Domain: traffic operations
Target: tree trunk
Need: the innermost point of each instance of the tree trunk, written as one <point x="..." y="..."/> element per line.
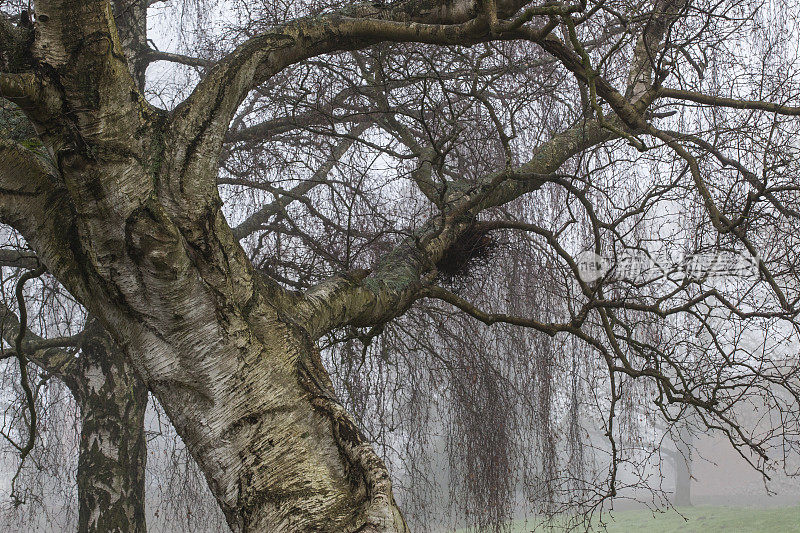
<point x="112" y="401"/>
<point x="112" y="450"/>
<point x="242" y="382"/>
<point x="277" y="448"/>
<point x="683" y="475"/>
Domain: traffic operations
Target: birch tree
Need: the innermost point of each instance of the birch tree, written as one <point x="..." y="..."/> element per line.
<point x="120" y="201"/>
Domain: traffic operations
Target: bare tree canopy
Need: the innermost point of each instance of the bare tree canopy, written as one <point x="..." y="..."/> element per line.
<point x="318" y="231"/>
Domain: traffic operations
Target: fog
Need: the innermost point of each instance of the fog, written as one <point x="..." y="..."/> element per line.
<point x="544" y="280"/>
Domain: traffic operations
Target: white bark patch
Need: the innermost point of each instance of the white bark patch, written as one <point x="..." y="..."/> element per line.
<point x="95" y="378"/>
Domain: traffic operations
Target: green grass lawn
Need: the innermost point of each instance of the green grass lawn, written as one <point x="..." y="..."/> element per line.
<point x="698" y="519"/>
<point x="709" y="520"/>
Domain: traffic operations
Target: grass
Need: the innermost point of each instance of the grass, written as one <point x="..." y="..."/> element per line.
<point x="708" y="520"/>
<point x="698" y="520"/>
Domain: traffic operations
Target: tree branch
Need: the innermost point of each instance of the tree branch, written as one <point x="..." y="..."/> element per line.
<point x="364" y="298"/>
<point x="692" y="96"/>
<point x="254" y="221"/>
<point x="14" y="44"/>
<point x="649" y="46"/>
<point x="23" y="175"/>
<point x="34" y="202"/>
<point x="201" y="122"/>
<point x="490" y="318"/>
<point x="19" y="259"/>
<point x="152" y="56"/>
<point x="47" y="354"/>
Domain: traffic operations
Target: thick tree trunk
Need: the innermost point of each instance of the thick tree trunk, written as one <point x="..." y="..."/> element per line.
<point x="111" y="396"/>
<point x="241" y="381"/>
<point x="112" y="450"/>
<point x="278" y="450"/>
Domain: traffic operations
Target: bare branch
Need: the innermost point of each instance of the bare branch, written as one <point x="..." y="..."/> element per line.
<point x="47" y="354"/>
<point x="19" y="259"/>
<point x="365" y="298"/>
<point x="23" y="373"/>
<point x="258" y="218"/>
<point x="203" y="119"/>
<point x="157" y="55"/>
<point x="734" y="103"/>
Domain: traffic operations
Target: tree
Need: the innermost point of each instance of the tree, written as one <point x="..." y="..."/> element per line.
<point x="112" y="403"/>
<point x="100" y="421"/>
<point x="121" y="204"/>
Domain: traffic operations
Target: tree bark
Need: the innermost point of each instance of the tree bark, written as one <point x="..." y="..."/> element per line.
<point x="111" y="398"/>
<point x="278" y="450"/>
<point x="112" y="448"/>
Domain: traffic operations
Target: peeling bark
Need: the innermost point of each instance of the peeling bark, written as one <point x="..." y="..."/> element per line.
<point x="278" y="450"/>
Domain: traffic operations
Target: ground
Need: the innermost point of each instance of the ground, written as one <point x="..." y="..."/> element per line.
<point x="697" y="520"/>
<point x="708" y="520"/>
